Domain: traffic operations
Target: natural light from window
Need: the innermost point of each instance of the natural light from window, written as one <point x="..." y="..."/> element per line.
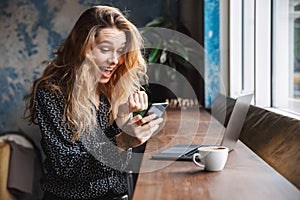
<point x="286" y="55"/>
<point x="265" y="53"/>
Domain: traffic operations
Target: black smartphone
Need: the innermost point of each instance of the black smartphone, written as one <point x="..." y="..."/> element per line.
<point x="157" y="108"/>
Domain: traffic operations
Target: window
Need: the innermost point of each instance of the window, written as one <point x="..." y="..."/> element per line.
<point x="286" y="55"/>
<point x="265" y="52"/>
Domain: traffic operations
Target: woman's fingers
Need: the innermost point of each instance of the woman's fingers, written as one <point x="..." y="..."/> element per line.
<point x="151" y="124"/>
<point x="139" y="126"/>
<point x="148" y="118"/>
<point x="154" y="128"/>
<point x="144" y="100"/>
<point x="138" y="101"/>
<point x="140" y="132"/>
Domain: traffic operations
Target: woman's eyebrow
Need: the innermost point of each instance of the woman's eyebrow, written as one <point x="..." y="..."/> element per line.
<point x="105" y="41"/>
<point x="111" y="43"/>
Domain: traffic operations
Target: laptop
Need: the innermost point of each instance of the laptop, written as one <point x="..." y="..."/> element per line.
<point x="230" y="136"/>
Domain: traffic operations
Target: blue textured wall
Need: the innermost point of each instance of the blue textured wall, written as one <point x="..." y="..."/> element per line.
<point x="212" y="48"/>
<point x="30" y="31"/>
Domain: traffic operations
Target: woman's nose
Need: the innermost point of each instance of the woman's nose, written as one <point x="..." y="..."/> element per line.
<point x="113" y="59"/>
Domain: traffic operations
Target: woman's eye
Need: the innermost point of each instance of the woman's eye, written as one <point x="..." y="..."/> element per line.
<point x="121" y="51"/>
<point x="104" y="50"/>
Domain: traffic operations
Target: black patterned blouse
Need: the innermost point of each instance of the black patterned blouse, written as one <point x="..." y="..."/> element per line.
<point x="84" y="169"/>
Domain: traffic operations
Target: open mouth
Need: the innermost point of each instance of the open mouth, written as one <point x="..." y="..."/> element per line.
<point x="106" y="72"/>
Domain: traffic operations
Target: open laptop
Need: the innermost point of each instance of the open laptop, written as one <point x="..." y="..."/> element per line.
<point x="230" y="136"/>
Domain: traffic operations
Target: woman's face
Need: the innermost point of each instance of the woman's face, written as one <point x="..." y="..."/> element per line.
<point x="108" y="50"/>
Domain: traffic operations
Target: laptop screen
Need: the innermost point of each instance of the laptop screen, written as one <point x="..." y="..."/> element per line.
<point x="230" y="137"/>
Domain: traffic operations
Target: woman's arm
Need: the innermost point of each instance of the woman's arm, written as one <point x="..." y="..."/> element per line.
<point x="65" y="157"/>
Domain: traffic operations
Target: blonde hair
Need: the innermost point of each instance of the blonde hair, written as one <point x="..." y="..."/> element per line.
<point x="75" y="69"/>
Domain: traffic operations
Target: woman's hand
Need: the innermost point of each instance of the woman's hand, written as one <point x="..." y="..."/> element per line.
<point x="137" y="131"/>
<point x="137" y="101"/>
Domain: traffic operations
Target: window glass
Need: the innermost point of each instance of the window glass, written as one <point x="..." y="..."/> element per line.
<point x="265" y="52"/>
<point x="286" y="55"/>
<point x="296" y="50"/>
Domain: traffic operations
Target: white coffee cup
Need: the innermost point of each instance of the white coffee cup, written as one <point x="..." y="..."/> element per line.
<point x="212" y="158"/>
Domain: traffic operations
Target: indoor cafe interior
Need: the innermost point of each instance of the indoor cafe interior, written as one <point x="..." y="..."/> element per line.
<point x="203" y="58"/>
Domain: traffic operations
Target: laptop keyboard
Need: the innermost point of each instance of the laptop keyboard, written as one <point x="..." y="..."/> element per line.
<point x="190" y="153"/>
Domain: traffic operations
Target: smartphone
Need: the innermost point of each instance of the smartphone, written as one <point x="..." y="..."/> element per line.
<point x="157" y="108"/>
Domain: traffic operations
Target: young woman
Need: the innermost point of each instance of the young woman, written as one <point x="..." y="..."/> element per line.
<point x="83" y="104"/>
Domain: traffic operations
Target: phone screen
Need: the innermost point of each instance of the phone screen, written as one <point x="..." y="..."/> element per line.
<point x="157" y="108"/>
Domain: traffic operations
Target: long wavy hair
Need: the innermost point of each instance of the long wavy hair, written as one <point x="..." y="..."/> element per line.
<point x="76" y="72"/>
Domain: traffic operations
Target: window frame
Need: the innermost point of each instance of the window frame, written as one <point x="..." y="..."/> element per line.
<point x="256" y="47"/>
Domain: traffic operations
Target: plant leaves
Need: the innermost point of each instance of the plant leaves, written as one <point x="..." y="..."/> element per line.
<point x="153" y="55"/>
<point x="163" y="57"/>
<point x="156" y="22"/>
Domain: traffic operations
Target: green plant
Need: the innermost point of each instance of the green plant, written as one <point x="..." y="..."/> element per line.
<point x="161" y="54"/>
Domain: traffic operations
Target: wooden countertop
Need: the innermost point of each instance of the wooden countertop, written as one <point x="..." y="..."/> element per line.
<point x="245" y="176"/>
